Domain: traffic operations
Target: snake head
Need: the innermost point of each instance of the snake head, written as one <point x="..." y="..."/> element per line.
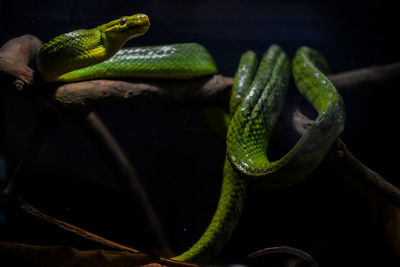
<point x="126" y="27"/>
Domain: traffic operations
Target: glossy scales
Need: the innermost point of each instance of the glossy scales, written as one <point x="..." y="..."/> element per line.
<point x="256" y="102"/>
<point x="233" y="189"/>
<point x="70" y="51"/>
<point x="174" y="61"/>
<point x="253" y="122"/>
<point x="83" y="48"/>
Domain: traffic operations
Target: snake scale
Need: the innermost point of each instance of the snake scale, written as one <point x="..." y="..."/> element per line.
<point x="257" y="97"/>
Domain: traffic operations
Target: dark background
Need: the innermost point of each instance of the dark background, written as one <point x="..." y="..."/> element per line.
<point x="177" y="157"/>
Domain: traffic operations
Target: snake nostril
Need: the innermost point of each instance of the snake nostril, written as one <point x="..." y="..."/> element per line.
<point x="143" y="19"/>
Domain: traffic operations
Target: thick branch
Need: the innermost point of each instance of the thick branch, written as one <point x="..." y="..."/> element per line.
<point x="92" y="95"/>
<point x="15" y="56"/>
<point x="84" y="97"/>
<point x="372" y="80"/>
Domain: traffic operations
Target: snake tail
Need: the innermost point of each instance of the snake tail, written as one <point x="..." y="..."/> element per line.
<point x="233" y="190"/>
<point x="223" y="222"/>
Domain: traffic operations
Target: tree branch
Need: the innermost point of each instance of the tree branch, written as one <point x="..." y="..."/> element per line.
<point x="15" y="58"/>
<point x="343" y="158"/>
<point x="366" y="81"/>
<point x="84" y="97"/>
<point x="351" y="164"/>
<point x="49" y="256"/>
<point x="10" y="253"/>
<point x="285" y="250"/>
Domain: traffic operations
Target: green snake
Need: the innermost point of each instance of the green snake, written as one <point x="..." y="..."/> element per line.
<point x="257" y="97"/>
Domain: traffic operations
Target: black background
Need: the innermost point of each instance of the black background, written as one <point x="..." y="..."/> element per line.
<point x="176" y="156"/>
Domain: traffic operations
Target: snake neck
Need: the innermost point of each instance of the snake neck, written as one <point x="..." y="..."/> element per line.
<point x="90" y="47"/>
<point x="111" y="43"/>
<point x="54" y="60"/>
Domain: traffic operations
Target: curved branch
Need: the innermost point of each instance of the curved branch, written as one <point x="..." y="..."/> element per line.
<point x="84" y="97"/>
<point x="373" y="179"/>
<point x="285" y="250"/>
<point x="15" y="57"/>
<point x="97" y="94"/>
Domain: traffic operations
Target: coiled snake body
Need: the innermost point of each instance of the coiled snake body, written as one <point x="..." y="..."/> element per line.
<point x="256" y="101"/>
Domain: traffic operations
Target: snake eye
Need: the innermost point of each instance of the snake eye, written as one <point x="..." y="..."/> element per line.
<point x="122" y="21"/>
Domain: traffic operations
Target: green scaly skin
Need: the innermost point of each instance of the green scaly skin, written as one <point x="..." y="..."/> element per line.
<point x="233" y="189"/>
<point x="251" y="127"/>
<point x="172" y="61"/>
<point x="256" y="101"/>
<point x="255" y="104"/>
<point x="96" y="53"/>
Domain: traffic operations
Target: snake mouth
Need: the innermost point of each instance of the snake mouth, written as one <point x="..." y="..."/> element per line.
<point x="139" y="25"/>
<point x="138" y="30"/>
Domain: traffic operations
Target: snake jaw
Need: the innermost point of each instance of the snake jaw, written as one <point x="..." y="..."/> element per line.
<point x="117" y="32"/>
<point x="127" y="27"/>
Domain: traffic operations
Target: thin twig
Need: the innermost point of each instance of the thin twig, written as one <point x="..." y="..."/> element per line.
<point x="345" y="158"/>
<point x="373" y="179"/>
<point x="44" y="123"/>
<point x="115" y="156"/>
<point x="72" y="228"/>
<point x="150" y="258"/>
<point x="285" y="250"/>
<point x="49" y="256"/>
